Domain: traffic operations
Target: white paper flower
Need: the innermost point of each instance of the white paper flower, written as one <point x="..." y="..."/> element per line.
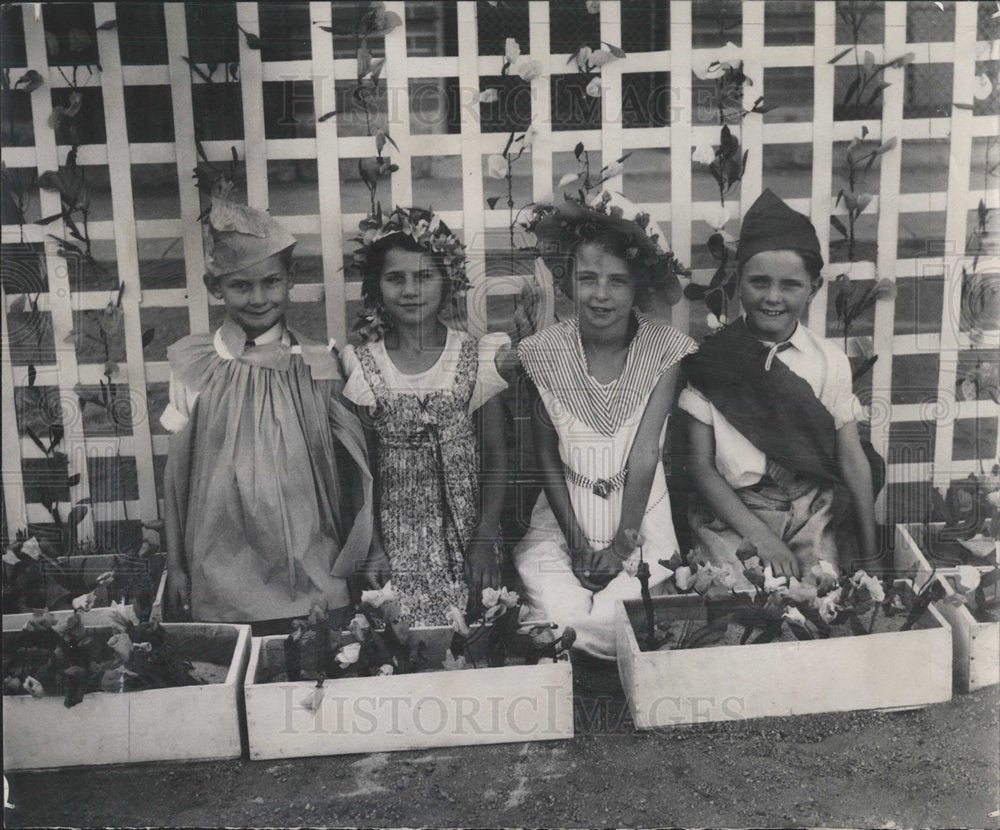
<point x="967" y="578"/>
<point x="497" y="166"/>
<point x="509" y="598"/>
<point x="458" y="623"/>
<point x="33" y="687"/>
<point x="376" y="598"/>
<point x="994" y="499"/>
<point x="715" y="323"/>
<point x="489" y="96"/>
<point x="31" y="548"/>
<point x="982" y="87"/>
<point x="713" y="64"/>
<point x="349" y="654"/>
<point x="772" y="582"/>
<point x="530" y="135"/>
<point x="715" y="216"/>
<point x="631" y="565"/>
<point x="569" y="178"/>
<point x="511" y="50"/>
<point x="385" y="670"/>
<point x="526" y="69"/>
<point x="616" y="168"/>
<point x="452" y="663"/>
<point x="703" y="154"/>
<point x="601" y="57"/>
<point x="582" y="56"/>
<point x="829" y="606"/>
<point x="682" y="578"/>
<point x="359" y="627"/>
<point x="84" y="602"/>
<point x="793" y="614"/>
<point x="801" y="591"/>
<point x="491" y="596"/>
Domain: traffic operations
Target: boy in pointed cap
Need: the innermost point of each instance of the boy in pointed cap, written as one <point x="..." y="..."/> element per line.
<point x="267" y="489"/>
<point x="772" y="427"/>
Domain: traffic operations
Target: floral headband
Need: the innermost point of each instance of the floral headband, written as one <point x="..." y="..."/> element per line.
<point x="428" y="231"/>
<point x="560" y="228"/>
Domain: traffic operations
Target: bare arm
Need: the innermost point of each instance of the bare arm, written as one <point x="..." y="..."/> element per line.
<point x="481" y="566"/>
<point x="546" y="446"/>
<point x="378" y="566"/>
<point x="724" y="502"/>
<point x="857" y="477"/>
<point x="644" y="458"/>
<point x="178" y="582"/>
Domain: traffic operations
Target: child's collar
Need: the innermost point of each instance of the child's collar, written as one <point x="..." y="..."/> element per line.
<point x="797" y="338"/>
<point x="230" y="338"/>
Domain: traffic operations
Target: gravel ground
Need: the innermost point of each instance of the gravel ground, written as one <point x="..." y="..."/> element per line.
<point x="936" y="767"/>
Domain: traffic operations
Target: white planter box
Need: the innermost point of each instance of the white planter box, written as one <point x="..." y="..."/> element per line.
<point x="97" y="616"/>
<point x="875" y="671"/>
<point x="184" y="723"/>
<point x="406" y="711"/>
<point x="975" y="645"/>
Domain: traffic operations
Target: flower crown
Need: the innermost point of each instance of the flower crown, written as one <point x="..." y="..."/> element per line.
<point x="425" y="228"/>
<point x="559" y="228"/>
<point x="429" y="232"/>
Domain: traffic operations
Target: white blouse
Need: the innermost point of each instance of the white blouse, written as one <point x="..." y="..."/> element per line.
<point x="439" y="376"/>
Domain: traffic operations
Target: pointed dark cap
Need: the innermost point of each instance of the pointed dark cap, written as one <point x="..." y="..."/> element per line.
<point x="771" y="225"/>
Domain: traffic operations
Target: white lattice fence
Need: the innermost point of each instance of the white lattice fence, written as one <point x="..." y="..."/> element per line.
<point x="143" y="227"/>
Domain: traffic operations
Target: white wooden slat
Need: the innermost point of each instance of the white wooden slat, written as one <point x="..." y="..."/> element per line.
<point x="822" y="146"/>
<point x="611" y="89"/>
<point x="471" y="141"/>
<point x="681" y="142"/>
<point x="963" y="71"/>
<point x="61" y="298"/>
<point x="253" y="108"/>
<point x="397" y="85"/>
<point x="544" y="143"/>
<point x="13" y="483"/>
<point x="751" y="132"/>
<point x="187" y="161"/>
<point x="120" y="175"/>
<point x="328" y="172"/>
<point x="887" y="231"/>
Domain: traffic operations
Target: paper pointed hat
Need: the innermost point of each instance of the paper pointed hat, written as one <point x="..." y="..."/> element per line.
<point x="240" y="236"/>
<point x="771" y="225"/>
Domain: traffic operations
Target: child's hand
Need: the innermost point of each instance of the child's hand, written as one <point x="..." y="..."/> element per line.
<point x="178" y="594"/>
<point x="595" y="569"/>
<point x="481" y="568"/>
<point x="772" y="551"/>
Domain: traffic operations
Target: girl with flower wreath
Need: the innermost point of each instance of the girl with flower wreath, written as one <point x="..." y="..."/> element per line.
<point x="603" y="383"/>
<point x="428" y="396"/>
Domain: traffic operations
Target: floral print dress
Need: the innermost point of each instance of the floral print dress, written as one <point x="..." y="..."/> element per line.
<point x="428" y="474"/>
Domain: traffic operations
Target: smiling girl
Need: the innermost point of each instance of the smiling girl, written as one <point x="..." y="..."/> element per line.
<point x="773" y="431"/>
<point x="603" y="383"/>
<point x="428" y="395"/>
<point x="252" y="406"/>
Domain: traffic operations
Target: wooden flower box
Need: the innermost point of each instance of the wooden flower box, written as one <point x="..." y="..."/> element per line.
<point x="100" y="613"/>
<point x="508" y="704"/>
<point x="899" y="670"/>
<point x="975" y="645"/>
<point x="183" y="723"/>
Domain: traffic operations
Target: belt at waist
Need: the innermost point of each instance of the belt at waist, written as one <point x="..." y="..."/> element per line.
<point x="602" y="487"/>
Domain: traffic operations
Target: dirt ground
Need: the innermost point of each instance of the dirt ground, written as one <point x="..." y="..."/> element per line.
<point x="935" y="767"/>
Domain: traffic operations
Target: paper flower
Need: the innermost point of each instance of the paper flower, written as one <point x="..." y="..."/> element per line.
<point x="313" y="701"/>
<point x="452" y="663"/>
<point x="511" y="50"/>
<point x="385" y="670"/>
<point x="594" y="87"/>
<point x="121" y="644"/>
<point x="714" y="65"/>
<point x="801" y="591"/>
<point x="569" y="178"/>
<point x="348" y="654"/>
<point x="967" y="578"/>
<point x="84" y="602"/>
<point x="829" y="606"/>
<point x="377" y="598"/>
<point x="458" y="623"/>
<point x="715" y="217"/>
<point x="489" y="96"/>
<point x="773" y="583"/>
<point x="703" y="154"/>
<point x="715" y="323"/>
<point x="862" y="579"/>
<point x="509" y="598"/>
<point x="982" y="87"/>
<point x="631" y="564"/>
<point x="497" y="166"/>
<point x="491" y="596"/>
<point x="359" y="627"/>
<point x="33" y="687"/>
<point x="31" y="548"/>
<point x="682" y="578"/>
<point x="793" y="615"/>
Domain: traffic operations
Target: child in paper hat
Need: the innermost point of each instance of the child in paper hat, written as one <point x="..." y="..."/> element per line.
<point x="773" y="430"/>
<point x="267" y="489"/>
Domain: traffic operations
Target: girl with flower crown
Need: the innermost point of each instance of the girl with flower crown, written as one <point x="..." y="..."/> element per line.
<point x="603" y="383"/>
<point x="428" y="395"/>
